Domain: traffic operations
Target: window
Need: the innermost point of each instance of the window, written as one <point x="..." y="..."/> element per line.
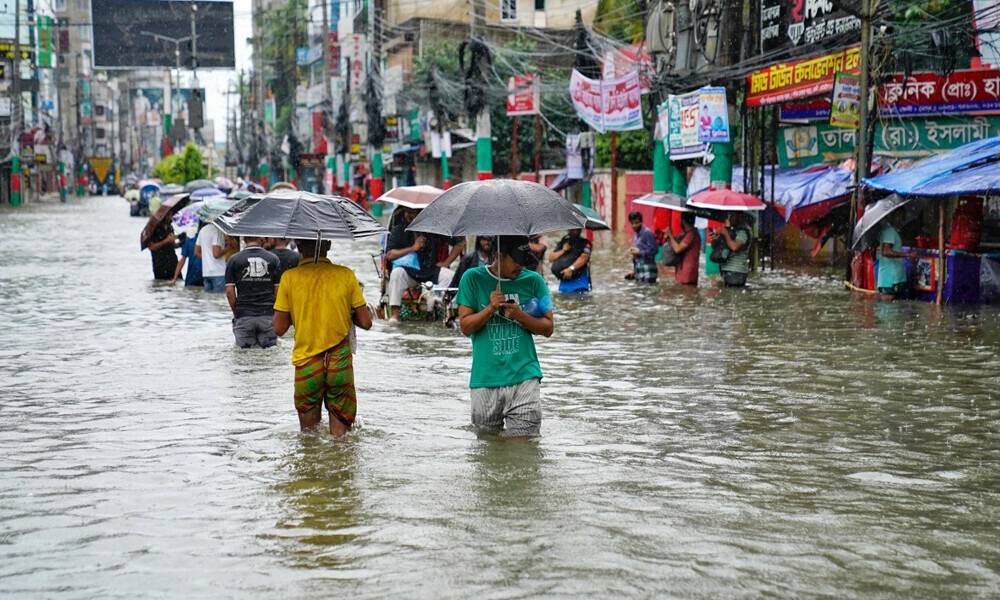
<point x="508" y="10"/>
<point x="99" y="133"/>
<point x="98" y="110"/>
<point x="539" y="4"/>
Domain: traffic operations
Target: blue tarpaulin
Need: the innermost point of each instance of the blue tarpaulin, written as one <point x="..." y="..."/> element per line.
<point x="970" y="169"/>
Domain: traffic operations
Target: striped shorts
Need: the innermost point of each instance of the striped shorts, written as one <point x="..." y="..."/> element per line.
<point x="515" y="410"/>
<point x="328" y="378"/>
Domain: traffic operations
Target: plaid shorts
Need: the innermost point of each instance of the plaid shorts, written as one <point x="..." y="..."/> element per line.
<point x="645" y="271"/>
<point x="328" y="378"/>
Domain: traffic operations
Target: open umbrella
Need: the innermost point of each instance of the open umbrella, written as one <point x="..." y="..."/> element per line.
<point x="297" y="214"/>
<point x="207" y="192"/>
<point x="498" y="207"/>
<point x="198" y="184"/>
<point x="172" y="188"/>
<point x="186" y="219"/>
<point x="867" y="228"/>
<point x="412" y="196"/>
<point x="679" y="203"/>
<point x="166" y="207"/>
<point x="211" y="208"/>
<point x="281" y="185"/>
<point x="594" y="221"/>
<point x="726" y="200"/>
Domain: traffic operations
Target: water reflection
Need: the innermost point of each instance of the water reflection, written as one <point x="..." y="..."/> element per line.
<point x="788" y="440"/>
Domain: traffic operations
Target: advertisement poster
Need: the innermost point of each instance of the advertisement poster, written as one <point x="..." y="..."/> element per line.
<point x="523" y="95"/>
<point x="845" y="106"/>
<point x="682" y="132"/>
<point x="611" y="105"/>
<point x="663" y="125"/>
<point x="713" y="117"/>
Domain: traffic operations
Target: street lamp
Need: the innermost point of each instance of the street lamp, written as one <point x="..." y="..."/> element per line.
<point x="177" y="50"/>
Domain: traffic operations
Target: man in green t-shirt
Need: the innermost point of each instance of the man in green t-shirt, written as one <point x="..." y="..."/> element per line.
<point x="501" y="306"/>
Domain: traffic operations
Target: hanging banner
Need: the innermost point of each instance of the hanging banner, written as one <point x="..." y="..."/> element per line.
<point x="619" y="62"/>
<point x="611" y="105"/>
<point x="523" y="95"/>
<point x="800" y="79"/>
<point x="795" y="23"/>
<point x="845" y="106"/>
<point x="682" y="129"/>
<point x="928" y="93"/>
<point x="663" y="126"/>
<point x="713" y="116"/>
<point x="908" y="138"/>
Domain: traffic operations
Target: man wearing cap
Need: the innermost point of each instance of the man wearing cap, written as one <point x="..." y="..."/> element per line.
<point x="501" y="306"/>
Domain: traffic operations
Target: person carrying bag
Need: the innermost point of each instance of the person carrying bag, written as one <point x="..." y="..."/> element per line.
<point x="731" y="249"/>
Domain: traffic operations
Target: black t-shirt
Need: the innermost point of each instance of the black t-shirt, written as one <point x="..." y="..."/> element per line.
<point x="164" y="259"/>
<point x="287" y="258"/>
<point x="578" y="245"/>
<point x="254" y="272"/>
<point x="400" y="238"/>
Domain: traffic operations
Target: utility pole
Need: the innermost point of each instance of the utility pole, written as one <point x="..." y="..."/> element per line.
<point x="864" y="160"/>
<point x="196" y="107"/>
<point x="327" y="97"/>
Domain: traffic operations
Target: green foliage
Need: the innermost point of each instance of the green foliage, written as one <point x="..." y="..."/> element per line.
<point x="635" y="150"/>
<point x="166" y="170"/>
<point x="181" y="168"/>
<point x="620" y="19"/>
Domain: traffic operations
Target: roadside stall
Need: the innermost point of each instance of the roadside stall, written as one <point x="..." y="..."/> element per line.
<point x="952" y="211"/>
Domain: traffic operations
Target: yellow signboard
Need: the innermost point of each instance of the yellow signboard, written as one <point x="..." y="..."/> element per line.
<point x="101" y="166"/>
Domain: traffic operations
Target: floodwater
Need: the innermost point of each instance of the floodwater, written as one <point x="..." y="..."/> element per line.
<point x="789" y="440"/>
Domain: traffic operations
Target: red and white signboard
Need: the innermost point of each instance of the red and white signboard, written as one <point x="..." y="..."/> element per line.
<point x="619" y="62"/>
<point x="523" y="95"/>
<point x="929" y="94"/>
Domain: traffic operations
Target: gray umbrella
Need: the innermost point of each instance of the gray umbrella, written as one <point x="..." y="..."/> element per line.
<point x="498" y="207"/>
<point x="300" y="215"/>
<point x="868" y="227"/>
<point x="198" y="184"/>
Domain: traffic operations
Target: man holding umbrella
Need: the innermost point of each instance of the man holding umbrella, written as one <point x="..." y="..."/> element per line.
<point x="501" y="306"/>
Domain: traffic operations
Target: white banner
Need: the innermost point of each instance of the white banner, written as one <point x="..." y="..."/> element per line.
<point x="608" y="105"/>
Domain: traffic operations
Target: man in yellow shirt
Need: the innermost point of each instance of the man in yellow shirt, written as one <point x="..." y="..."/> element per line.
<point x="322" y="300"/>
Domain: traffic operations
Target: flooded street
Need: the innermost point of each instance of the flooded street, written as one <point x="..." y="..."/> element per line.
<point x="789" y="440"/>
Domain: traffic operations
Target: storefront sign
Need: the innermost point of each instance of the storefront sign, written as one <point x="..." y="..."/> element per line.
<point x="785" y="23"/>
<point x="845" y="107"/>
<point x="811" y="144"/>
<point x="608" y="105"/>
<point x="801" y="79"/>
<point x="523" y="95"/>
<point x="928" y="93"/>
<point x="682" y="129"/>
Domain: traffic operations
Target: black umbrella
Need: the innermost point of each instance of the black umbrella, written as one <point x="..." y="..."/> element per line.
<point x="498" y="207"/>
<point x="867" y="229"/>
<point x="300" y="215"/>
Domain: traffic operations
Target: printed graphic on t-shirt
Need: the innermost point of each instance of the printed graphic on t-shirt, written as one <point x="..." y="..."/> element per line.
<point x="504" y="333"/>
<point x="256" y="269"/>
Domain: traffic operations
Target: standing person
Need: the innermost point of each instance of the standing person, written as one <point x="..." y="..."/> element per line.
<point x="193" y="276"/>
<point x="481" y="255"/>
<point x="501" y="306"/>
<point x="736" y="235"/>
<point x="251" y="284"/>
<point x="892" y="282"/>
<point x="287" y="257"/>
<point x="570" y="262"/>
<point x="643" y="251"/>
<point x="162" y="245"/>
<point x="689" y="248"/>
<point x="430" y="266"/>
<point x="322" y="300"/>
<point x="539" y="248"/>
<point x="211" y="251"/>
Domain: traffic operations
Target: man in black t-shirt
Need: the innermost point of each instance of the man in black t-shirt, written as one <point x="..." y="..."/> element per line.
<point x="429" y="264"/>
<point x="251" y="283"/>
<point x="287" y="257"/>
<point x="162" y="247"/>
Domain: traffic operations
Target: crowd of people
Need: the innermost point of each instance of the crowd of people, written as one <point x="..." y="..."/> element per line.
<point x="498" y="286"/>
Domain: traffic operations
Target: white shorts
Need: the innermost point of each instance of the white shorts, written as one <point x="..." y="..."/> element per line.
<point x="515" y="410"/>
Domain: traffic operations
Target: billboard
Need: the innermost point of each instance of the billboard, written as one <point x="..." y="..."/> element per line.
<point x="148" y="105"/>
<point x="130" y="34"/>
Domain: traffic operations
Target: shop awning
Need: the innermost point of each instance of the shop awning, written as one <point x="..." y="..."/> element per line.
<point x="970" y="169"/>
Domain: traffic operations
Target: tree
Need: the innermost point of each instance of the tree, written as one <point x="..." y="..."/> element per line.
<point x="181" y="168"/>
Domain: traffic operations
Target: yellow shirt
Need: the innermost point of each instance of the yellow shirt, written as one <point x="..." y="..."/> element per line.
<point x="319" y="297"/>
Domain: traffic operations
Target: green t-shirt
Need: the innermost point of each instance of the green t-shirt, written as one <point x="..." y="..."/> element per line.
<point x="739" y="261"/>
<point x="503" y="352"/>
